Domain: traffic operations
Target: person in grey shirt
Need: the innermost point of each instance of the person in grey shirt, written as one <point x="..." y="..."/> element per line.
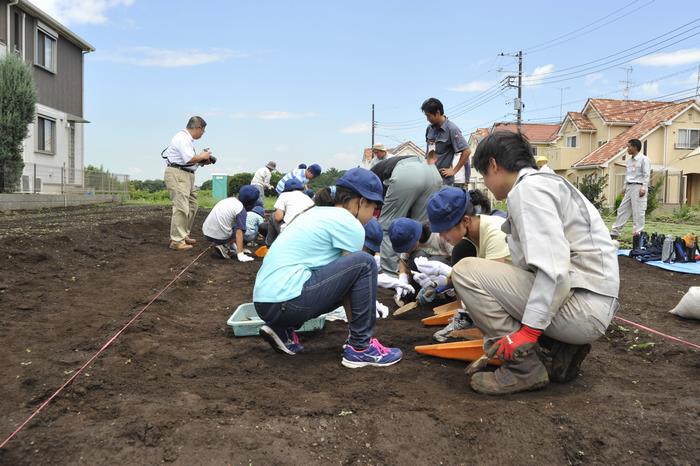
<point x="636" y="188"/>
<point x="446" y="139"/>
<point x="562" y="287"/>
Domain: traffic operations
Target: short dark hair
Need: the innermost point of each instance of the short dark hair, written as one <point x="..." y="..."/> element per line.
<point x="196" y="122"/>
<point x="479" y="199"/>
<point x="324" y="197"/>
<point x="636" y="143"/>
<point x="425" y="233"/>
<point x="432" y="106"/>
<point x="512" y="151"/>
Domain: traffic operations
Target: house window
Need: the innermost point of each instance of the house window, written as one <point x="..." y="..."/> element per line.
<point x="688" y="139"/>
<point x="17" y="33"/>
<point x="644" y="148"/>
<point x="534" y="151"/>
<point x="45" y="50"/>
<point x="571" y="141"/>
<point x="46" y="135"/>
<point x="600" y="143"/>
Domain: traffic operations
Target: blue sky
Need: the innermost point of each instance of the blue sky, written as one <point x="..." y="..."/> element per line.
<point x="294" y="81"/>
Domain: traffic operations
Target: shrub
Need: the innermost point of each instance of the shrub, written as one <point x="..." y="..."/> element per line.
<point x="17" y="109"/>
<point x="236" y="181"/>
<point x="592" y="186"/>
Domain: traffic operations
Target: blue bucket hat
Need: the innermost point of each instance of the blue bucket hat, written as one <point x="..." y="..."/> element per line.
<point x="446" y="208"/>
<point x="363" y="182"/>
<point x="248" y="195"/>
<point x="373" y="235"/>
<point x="404" y="234"/>
<point x="315" y="169"/>
<point x="258" y="210"/>
<point x="293" y="184"/>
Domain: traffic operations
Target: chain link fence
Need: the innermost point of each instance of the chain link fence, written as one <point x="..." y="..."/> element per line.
<point x="50" y="179"/>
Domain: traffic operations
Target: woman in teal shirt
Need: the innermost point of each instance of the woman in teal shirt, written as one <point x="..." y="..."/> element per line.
<point x="317" y="264"/>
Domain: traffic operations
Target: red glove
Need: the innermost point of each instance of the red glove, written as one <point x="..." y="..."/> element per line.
<point x="516" y="345"/>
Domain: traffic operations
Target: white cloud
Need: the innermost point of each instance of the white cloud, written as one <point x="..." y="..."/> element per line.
<point x="80" y="11"/>
<point x="679" y="57"/>
<point x="472" y="86"/>
<point x="592" y="78"/>
<point x="356" y="128"/>
<point x="538" y="75"/>
<point x="344" y="160"/>
<point x="649" y="89"/>
<point x="168" y="58"/>
<point x="272" y="115"/>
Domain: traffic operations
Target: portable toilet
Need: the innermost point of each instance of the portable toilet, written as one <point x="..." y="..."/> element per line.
<point x="219" y="186"/>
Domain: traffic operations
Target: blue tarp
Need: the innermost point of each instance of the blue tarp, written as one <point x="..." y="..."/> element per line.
<point x="680" y="267"/>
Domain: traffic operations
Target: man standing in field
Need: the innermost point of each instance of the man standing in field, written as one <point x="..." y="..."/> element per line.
<point x="261" y="179"/>
<point x="636" y="187"/>
<point x="446" y="139"/>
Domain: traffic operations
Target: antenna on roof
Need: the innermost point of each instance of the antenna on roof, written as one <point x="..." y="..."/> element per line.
<point x="627" y="82"/>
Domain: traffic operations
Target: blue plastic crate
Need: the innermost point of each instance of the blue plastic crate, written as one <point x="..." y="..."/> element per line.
<point x="245" y="322"/>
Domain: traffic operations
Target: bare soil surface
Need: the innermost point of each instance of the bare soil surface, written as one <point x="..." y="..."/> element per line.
<point x="178" y="387"/>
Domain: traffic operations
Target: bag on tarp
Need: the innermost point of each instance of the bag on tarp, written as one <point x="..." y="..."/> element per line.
<point x="689" y="305"/>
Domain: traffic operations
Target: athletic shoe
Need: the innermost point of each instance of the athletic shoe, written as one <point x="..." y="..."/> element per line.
<point x="223" y="251"/>
<point x="282" y="340"/>
<point x="460" y="321"/>
<point x="375" y="355"/>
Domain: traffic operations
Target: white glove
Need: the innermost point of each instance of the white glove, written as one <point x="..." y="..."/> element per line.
<point x="377" y="259"/>
<point x="382" y="311"/>
<point x="386" y="281"/>
<point x="403" y="287"/>
<point x="435" y="268"/>
<point x="433" y="281"/>
<point x="242" y="257"/>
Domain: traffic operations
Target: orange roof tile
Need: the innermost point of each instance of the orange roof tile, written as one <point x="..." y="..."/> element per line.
<point x="534" y="132"/>
<point x="650" y="120"/>
<point x="623" y="111"/>
<point x="581" y="121"/>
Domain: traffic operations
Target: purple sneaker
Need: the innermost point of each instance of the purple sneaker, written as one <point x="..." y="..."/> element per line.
<point x="375" y="355"/>
<point x="282" y="340"/>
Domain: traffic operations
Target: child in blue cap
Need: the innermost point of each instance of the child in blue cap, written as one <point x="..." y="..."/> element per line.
<point x="302" y="174"/>
<point x="560" y="292"/>
<point x="226" y="223"/>
<point x="317" y="265"/>
<point x="289" y="204"/>
<point x="255" y="217"/>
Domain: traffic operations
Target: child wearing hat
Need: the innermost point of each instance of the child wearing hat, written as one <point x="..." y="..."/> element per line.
<point x="255" y="217"/>
<point x="226" y="223"/>
<point x="289" y="204"/>
<point x="317" y="265"/>
<point x="302" y="174"/>
<point x="561" y="289"/>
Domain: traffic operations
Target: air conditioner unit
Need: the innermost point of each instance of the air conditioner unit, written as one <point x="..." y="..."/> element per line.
<point x="25" y="184"/>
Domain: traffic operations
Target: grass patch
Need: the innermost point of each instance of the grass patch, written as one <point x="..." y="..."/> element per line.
<point x="204" y="197"/>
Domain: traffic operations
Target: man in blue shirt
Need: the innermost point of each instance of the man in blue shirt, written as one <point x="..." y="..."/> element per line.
<point x="446" y="139"/>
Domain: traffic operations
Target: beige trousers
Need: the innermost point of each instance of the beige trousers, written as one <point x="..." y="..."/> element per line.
<point x="495" y="294"/>
<point x="180" y="184"/>
<point x="633" y="205"/>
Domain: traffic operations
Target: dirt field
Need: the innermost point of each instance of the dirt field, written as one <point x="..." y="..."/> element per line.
<point x="177" y="387"/>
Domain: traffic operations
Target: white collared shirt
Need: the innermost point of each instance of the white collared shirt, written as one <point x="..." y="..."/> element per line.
<point x="638" y="170"/>
<point x="556" y="233"/>
<point x="262" y="177"/>
<point x="181" y="149"/>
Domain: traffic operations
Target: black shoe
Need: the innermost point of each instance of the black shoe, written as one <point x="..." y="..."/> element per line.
<point x="563" y="360"/>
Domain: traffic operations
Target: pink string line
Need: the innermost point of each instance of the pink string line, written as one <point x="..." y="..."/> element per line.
<point x="97" y="354"/>
<point x="656" y="332"/>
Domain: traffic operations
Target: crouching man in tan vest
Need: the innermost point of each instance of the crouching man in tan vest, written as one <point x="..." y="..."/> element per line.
<point x="562" y="287"/>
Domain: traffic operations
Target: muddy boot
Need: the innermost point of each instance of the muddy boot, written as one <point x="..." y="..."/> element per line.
<point x="562" y="360"/>
<point x="512" y="377"/>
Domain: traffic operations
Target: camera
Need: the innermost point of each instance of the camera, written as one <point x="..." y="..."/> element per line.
<point x="212" y="159"/>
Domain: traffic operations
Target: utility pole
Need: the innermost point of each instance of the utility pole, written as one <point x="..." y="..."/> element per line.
<point x="627" y="82"/>
<point x="519" y="102"/>
<point x="561" y="101"/>
<point x="373" y="125"/>
<point x="697" y="86"/>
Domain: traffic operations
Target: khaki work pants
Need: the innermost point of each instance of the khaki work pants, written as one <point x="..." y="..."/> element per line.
<point x="634" y="205"/>
<point x="496" y="294"/>
<point x="180" y="184"/>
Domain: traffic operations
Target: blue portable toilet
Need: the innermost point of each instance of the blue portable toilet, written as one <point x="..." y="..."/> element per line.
<point x="219" y="186"/>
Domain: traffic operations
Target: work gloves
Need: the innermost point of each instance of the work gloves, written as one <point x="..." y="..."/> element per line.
<point x="400" y="285"/>
<point x="431" y="273"/>
<point x="243" y="257"/>
<point x="382" y="311"/>
<point x="516" y="345"/>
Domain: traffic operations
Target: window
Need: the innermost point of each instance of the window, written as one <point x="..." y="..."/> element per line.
<point x="45" y="50"/>
<point x="600" y="143"/>
<point x="688" y="139"/>
<point x="644" y="148"/>
<point x="571" y="141"/>
<point x="534" y="151"/>
<point x="46" y="135"/>
<point x="17" y="33"/>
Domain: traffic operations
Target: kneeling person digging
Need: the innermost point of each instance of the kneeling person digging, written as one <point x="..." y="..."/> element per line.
<point x="562" y="287"/>
<point x="226" y="223"/>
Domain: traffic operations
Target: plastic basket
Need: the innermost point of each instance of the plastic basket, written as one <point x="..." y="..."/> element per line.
<point x="245" y="322"/>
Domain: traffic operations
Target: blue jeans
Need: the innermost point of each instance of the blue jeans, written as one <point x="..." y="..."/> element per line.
<point x="353" y="275"/>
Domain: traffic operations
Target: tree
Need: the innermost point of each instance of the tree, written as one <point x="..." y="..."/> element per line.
<point x="236" y="181"/>
<point x="206" y="186"/>
<point x="327" y="178"/>
<point x="17" y="109"/>
<point x="151" y="186"/>
<point x="592" y="186"/>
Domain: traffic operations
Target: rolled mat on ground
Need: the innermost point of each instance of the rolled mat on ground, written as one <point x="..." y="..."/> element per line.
<point x="680" y="267"/>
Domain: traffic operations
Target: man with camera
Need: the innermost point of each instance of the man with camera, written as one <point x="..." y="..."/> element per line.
<point x="183" y="160"/>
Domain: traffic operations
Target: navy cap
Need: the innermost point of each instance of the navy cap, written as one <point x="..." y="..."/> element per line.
<point x="315" y="169"/>
<point x="363" y="182"/>
<point x="310" y="192"/>
<point x="404" y="234"/>
<point x="446" y="208"/>
<point x="293" y="184"/>
<point x="248" y="195"/>
<point x="258" y="210"/>
<point x="373" y="235"/>
<point x="302" y="166"/>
